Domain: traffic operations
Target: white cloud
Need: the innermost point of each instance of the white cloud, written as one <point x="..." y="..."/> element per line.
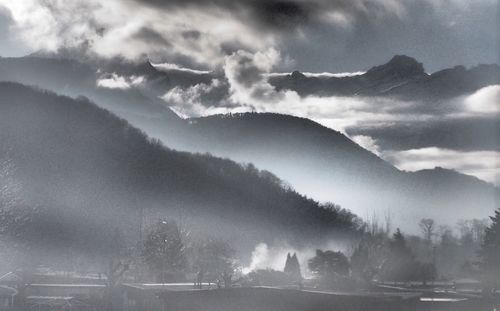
<point x="482" y="164"/>
<point x="250" y="90"/>
<point x="114" y="81"/>
<point x="248" y="73"/>
<point x="484" y="101"/>
<point x="368" y="143"/>
<point x="170" y="66"/>
<point x="319" y="74"/>
<point x="187" y="102"/>
<point x="113" y="28"/>
<point x="334" y="75"/>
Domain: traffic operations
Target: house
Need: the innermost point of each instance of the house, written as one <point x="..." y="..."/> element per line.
<point x="79" y="291"/>
<point x="7" y="295"/>
<point x="10" y="279"/>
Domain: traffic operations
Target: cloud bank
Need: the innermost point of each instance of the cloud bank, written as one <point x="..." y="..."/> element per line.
<point x="314" y="35"/>
<point x="482" y="164"/>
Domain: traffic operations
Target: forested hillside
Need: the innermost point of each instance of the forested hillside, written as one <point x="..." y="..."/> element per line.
<point x="78" y="171"/>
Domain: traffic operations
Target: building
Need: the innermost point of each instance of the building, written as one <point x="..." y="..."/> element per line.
<point x="7" y="295"/>
<point x="10" y="279"/>
<point x="79" y="291"/>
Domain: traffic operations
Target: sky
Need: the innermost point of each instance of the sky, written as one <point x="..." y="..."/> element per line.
<point x="311" y="35"/>
<point x="246" y="41"/>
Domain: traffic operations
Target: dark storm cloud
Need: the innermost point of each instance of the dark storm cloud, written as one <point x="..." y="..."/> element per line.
<point x="248" y="74"/>
<point x="315" y="35"/>
<point x="283" y="14"/>
<point x="277" y="14"/>
<point x="230" y="47"/>
<point x="151" y="36"/>
<point x="341" y="35"/>
<point x="441" y="36"/>
<point x="191" y="35"/>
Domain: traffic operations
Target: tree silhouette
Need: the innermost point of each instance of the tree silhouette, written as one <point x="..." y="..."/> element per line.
<point x="369" y="255"/>
<point x="427" y="227"/>
<point x="163" y="251"/>
<point x="400" y="262"/>
<point x="329" y="266"/>
<point x="490" y="254"/>
<point x="213" y="258"/>
<point x="292" y="267"/>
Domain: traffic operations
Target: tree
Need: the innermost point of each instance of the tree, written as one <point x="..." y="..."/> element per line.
<point x="369" y="256"/>
<point x="479" y="228"/>
<point x="292" y="267"/>
<point x="490" y="254"/>
<point x="163" y="251"/>
<point x="329" y="266"/>
<point x="400" y="261"/>
<point x="214" y="259"/>
<point x="427" y="227"/>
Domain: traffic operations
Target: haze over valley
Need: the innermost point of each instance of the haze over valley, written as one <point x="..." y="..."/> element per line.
<point x="168" y="155"/>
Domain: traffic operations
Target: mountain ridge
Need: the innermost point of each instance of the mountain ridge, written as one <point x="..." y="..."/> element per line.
<point x="80" y="160"/>
<point x="402" y="77"/>
<point x="326" y="164"/>
<point x="339" y="170"/>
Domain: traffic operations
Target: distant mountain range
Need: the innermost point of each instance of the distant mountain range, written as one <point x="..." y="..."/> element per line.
<point x="313" y="159"/>
<point x="402" y="77"/>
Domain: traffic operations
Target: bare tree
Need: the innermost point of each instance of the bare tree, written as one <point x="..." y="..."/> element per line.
<point x="427" y="226"/>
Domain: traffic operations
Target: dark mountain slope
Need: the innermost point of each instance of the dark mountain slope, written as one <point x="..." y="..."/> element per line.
<point x="98" y="172"/>
<point x="327" y="165"/>
<point x="73" y="78"/>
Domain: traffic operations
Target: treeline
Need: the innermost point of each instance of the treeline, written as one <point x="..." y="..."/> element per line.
<point x="440" y="253"/>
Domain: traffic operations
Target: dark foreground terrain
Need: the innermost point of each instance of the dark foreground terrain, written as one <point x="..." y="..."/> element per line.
<point x="277" y="299"/>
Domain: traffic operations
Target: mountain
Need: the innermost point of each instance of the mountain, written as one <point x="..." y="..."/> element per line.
<point x="73" y="78"/>
<point x="402" y="77"/>
<point x="328" y="166"/>
<point x="93" y="172"/>
<point x="313" y="159"/>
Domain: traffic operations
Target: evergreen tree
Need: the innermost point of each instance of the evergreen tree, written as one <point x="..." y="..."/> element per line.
<point x="490" y="253"/>
<point x="287" y="268"/>
<point x="292" y="267"/>
<point x="400" y="261"/>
